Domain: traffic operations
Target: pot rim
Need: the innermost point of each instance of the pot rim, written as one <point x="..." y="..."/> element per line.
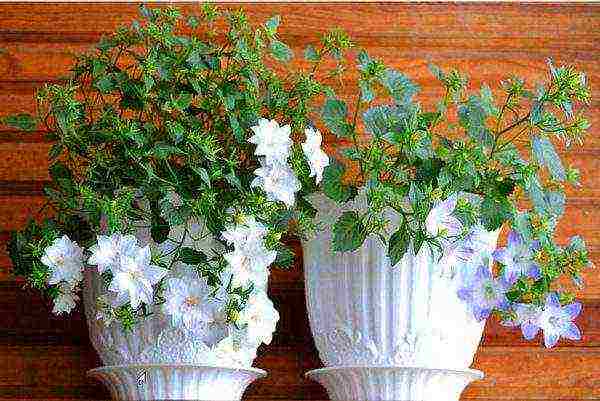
<point x="258" y="373"/>
<point x="476" y="374"/>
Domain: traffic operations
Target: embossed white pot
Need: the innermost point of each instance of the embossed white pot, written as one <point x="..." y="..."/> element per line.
<point x="157" y="361"/>
<point x="374" y="324"/>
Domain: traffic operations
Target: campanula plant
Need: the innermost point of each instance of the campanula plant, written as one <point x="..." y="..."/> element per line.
<point x="474" y="163"/>
<point x="180" y="157"/>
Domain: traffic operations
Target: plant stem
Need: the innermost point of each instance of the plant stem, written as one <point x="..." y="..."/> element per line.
<point x="354" y="139"/>
<point x="516" y="123"/>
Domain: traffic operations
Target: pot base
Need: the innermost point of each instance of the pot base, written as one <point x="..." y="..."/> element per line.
<point x="393" y="383"/>
<point x="175" y="382"/>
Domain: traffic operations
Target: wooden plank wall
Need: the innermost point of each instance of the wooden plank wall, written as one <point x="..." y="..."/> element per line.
<point x="45" y="358"/>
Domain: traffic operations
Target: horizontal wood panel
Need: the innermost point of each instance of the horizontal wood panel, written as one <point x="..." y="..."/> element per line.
<point x="289" y="357"/>
<point x="459" y="20"/>
<point x="40" y="62"/>
<point x="28" y="162"/>
<point x="530" y="372"/>
<point x="44" y="357"/>
<point x="581" y="216"/>
<point x="27" y="318"/>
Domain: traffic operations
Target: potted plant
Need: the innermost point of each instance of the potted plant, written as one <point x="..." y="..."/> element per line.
<point x="406" y="269"/>
<point x="181" y="156"/>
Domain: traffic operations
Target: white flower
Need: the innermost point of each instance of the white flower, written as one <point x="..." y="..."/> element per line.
<point x="107" y="252"/>
<point x="65" y="260"/>
<point x="250" y="259"/>
<point x="272" y="141"/>
<point x="277" y="179"/>
<point x="65" y="300"/>
<point x="441" y="221"/>
<point x="250" y="265"/>
<point x="249" y="230"/>
<point x="260" y="317"/>
<point x="231" y="352"/>
<point x="134" y="278"/>
<point x="317" y="159"/>
<point x="192" y="304"/>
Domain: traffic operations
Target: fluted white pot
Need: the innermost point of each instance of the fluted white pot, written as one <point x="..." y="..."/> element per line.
<point x="175" y="382"/>
<point x="375" y="323"/>
<point x="156" y="360"/>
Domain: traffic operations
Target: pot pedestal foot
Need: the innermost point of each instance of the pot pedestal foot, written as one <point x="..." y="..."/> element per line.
<point x="393" y="383"/>
<point x="175" y="382"/>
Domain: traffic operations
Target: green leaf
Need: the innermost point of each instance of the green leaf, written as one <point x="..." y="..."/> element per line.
<point x="472" y="117"/>
<point x="545" y="154"/>
<point x="576" y="243"/>
<point x="494" y="212"/>
<point x="522" y="226"/>
<point x="436" y="71"/>
<point x="234" y="180"/>
<point x="23" y="121"/>
<point x="59" y="170"/>
<point x="332" y="183"/>
<point x="348" y="232"/>
<point x="190" y="256"/>
<point x="285" y="258"/>
<point x="366" y="91"/>
<point x="418" y="241"/>
<point x="55" y="151"/>
<point x="487" y="101"/>
<point x="163" y="150"/>
<point x="335" y="114"/>
<point x="398" y="244"/>
<point x="310" y="54"/>
<point x="555" y="203"/>
<point x="159" y="230"/>
<point x="183" y="101"/>
<point x="280" y="51"/>
<point x="383" y="119"/>
<point x="192" y="22"/>
<point x="236" y="128"/>
<point x="306" y="207"/>
<point x="201" y="171"/>
<point x="537" y="112"/>
<point x="272" y="24"/>
<point x="400" y="87"/>
<point x="105" y="84"/>
<point x="550" y="203"/>
<point x="175" y="129"/>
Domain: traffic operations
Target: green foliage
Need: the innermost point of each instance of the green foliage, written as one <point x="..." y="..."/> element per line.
<point x="23" y="121"/>
<point x="502" y="153"/>
<point x="399" y="243"/>
<point x="335" y="117"/>
<point x="333" y="185"/>
<point x="26" y="247"/>
<point x="151" y="131"/>
<point x="349" y="233"/>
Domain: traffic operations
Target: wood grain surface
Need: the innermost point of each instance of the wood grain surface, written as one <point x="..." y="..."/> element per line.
<point x="43" y="357"/>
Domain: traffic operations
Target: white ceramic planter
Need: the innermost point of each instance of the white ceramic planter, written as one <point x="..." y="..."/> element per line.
<point x="157" y="361"/>
<point x="175" y="382"/>
<point x="393" y="383"/>
<point x="173" y="363"/>
<point x="366" y="314"/>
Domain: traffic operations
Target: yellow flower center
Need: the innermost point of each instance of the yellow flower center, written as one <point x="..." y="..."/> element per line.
<point x="59" y="260"/>
<point x="192" y="301"/>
